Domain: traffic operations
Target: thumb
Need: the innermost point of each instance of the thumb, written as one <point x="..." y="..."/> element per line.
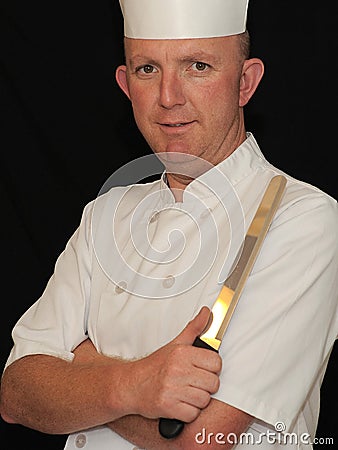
<point x="195" y="327"/>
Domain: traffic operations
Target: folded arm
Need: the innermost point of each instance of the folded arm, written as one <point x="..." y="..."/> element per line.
<point x="57" y="396"/>
<point x="209" y="430"/>
<point x="54" y="396"/>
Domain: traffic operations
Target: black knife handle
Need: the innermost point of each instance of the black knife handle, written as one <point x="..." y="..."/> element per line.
<point x="170" y="428"/>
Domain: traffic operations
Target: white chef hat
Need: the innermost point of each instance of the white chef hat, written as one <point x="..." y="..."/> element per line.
<point x="182" y="19"/>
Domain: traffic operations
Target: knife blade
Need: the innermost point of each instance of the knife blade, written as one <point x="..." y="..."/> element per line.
<point x="227" y="300"/>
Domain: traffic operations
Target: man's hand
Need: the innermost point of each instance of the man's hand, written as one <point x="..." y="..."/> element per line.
<point x="177" y="380"/>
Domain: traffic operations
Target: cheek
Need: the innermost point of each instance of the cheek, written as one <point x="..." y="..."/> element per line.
<point x="143" y="108"/>
<point x="138" y="100"/>
<point x="222" y="105"/>
<point x="220" y="97"/>
<point x="140" y="108"/>
<point x="142" y="104"/>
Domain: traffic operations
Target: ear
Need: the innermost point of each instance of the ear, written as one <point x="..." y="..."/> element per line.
<point x="121" y="78"/>
<point x="252" y="72"/>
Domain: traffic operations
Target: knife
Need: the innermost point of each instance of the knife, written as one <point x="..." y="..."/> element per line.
<point x="233" y="286"/>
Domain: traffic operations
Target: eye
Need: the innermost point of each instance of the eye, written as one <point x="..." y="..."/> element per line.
<point x="200" y="66"/>
<point x="146" y="69"/>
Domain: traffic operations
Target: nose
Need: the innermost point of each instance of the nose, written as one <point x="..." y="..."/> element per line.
<point x="171" y="91"/>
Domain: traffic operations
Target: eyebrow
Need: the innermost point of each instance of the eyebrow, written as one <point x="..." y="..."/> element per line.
<point x="200" y="56"/>
<point x="141" y="59"/>
<point x="190" y="57"/>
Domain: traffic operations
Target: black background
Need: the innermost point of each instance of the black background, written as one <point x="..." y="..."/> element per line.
<point x="65" y="127"/>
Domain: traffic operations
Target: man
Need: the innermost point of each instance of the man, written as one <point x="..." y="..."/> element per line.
<point x="129" y="292"/>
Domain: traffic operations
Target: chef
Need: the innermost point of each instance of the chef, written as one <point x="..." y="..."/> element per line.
<point x="105" y="352"/>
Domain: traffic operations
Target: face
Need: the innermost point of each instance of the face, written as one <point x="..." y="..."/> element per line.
<point x="187" y="95"/>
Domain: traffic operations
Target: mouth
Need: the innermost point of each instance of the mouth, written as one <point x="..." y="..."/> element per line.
<point x="176" y="125"/>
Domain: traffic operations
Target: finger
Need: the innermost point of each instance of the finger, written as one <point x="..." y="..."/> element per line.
<point x="206" y="360"/>
<point x="192" y="401"/>
<point x="205" y="381"/>
<point x="195" y="327"/>
<point x="197" y="398"/>
<point x="186" y="413"/>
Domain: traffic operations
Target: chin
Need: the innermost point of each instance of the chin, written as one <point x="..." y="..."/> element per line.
<point x="185" y="164"/>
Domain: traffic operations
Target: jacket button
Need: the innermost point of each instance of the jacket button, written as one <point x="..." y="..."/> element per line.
<point x="121" y="287"/>
<point x="80" y="440"/>
<point x="169" y="281"/>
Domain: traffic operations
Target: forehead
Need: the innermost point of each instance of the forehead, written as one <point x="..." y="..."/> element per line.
<point x="217" y="47"/>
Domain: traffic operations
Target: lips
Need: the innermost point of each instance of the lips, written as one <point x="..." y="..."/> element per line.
<point x="176" y="124"/>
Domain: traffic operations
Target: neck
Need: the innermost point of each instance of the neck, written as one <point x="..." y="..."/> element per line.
<point x="177" y="184"/>
<point x="189" y="172"/>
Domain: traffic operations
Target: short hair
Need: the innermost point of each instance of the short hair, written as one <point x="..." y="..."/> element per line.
<point x="244" y="42"/>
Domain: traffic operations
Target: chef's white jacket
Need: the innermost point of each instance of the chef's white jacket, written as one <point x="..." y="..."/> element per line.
<point x="140" y="266"/>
